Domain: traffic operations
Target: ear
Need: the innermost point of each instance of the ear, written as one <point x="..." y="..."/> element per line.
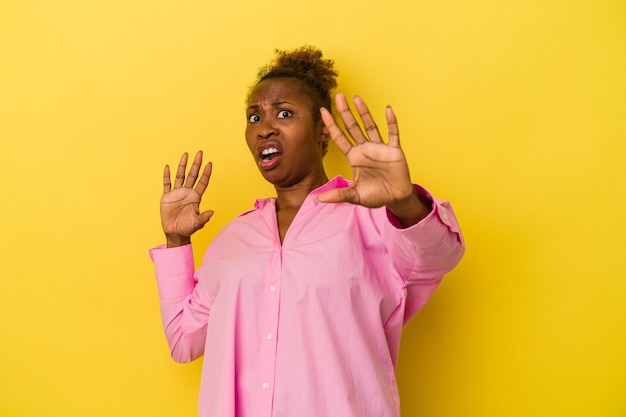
<point x="324" y="135"/>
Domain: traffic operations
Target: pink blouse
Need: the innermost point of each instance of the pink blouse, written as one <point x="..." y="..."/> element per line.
<point x="310" y="327"/>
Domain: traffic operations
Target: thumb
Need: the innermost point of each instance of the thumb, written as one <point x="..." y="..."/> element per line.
<point x="338" y="195"/>
<point x="204" y="217"/>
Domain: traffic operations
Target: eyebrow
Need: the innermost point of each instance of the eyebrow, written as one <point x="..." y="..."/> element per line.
<point x="274" y="104"/>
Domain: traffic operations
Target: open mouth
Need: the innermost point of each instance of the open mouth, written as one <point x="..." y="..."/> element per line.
<point x="269" y="155"/>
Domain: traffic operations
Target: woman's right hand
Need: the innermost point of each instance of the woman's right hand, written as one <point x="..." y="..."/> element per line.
<point x="180" y="205"/>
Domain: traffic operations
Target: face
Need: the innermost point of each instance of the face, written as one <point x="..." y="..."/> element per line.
<point x="285" y="140"/>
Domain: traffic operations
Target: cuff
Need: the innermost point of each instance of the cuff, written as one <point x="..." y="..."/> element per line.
<point x="174" y="269"/>
<point x="431" y="229"/>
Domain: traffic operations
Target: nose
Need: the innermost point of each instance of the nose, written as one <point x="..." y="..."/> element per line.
<point x="267" y="129"/>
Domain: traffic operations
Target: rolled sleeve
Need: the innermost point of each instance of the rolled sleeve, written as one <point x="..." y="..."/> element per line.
<point x="174" y="269"/>
<point x="430" y="248"/>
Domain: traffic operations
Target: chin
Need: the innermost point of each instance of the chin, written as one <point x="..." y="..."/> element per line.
<point x="279" y="181"/>
<point x="271" y="176"/>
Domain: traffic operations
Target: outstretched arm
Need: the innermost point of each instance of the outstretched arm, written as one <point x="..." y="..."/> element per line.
<point x="184" y="306"/>
<point x="180" y="204"/>
<point x="380" y="171"/>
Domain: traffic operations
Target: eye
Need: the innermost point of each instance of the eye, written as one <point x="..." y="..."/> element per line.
<point x="283" y="114"/>
<point x="254" y="118"/>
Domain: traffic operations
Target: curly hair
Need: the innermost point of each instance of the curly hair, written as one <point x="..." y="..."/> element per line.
<point x="307" y="65"/>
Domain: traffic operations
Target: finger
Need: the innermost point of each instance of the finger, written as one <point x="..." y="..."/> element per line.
<point x="348" y="119"/>
<point x="335" y="132"/>
<point x="167" y="183"/>
<point x="180" y="172"/>
<point x="368" y="122"/>
<point x="203" y="182"/>
<point x="203" y="218"/>
<point x="193" y="171"/>
<point x="339" y="195"/>
<point x="392" y="126"/>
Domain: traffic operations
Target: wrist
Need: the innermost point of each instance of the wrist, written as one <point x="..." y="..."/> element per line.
<point x="411" y="209"/>
<point x="174" y="241"/>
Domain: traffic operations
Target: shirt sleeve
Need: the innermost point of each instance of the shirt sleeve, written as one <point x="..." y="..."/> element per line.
<point x="424" y="252"/>
<point x="184" y="311"/>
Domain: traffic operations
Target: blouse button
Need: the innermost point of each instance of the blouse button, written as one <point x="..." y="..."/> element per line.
<point x="266" y="385"/>
<point x="272" y="288"/>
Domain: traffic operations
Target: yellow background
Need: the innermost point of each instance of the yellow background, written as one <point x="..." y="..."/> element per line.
<point x="513" y="110"/>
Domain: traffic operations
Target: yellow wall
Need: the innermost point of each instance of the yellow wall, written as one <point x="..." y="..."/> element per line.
<point x="514" y="110"/>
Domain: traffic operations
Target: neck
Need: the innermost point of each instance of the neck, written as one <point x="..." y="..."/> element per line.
<point x="292" y="197"/>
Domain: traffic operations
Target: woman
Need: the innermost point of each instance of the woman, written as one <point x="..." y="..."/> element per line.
<point x="299" y="303"/>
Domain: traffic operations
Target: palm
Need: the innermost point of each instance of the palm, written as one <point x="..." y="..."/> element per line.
<point x="180" y="205"/>
<point x="380" y="172"/>
<point x="180" y="210"/>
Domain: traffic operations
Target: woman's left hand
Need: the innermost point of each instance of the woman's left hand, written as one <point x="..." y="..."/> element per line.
<point x="380" y="170"/>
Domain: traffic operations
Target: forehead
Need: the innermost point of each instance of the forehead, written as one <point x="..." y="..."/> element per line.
<point x="279" y="90"/>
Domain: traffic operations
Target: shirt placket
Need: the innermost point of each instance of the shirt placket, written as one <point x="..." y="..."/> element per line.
<point x="269" y="335"/>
